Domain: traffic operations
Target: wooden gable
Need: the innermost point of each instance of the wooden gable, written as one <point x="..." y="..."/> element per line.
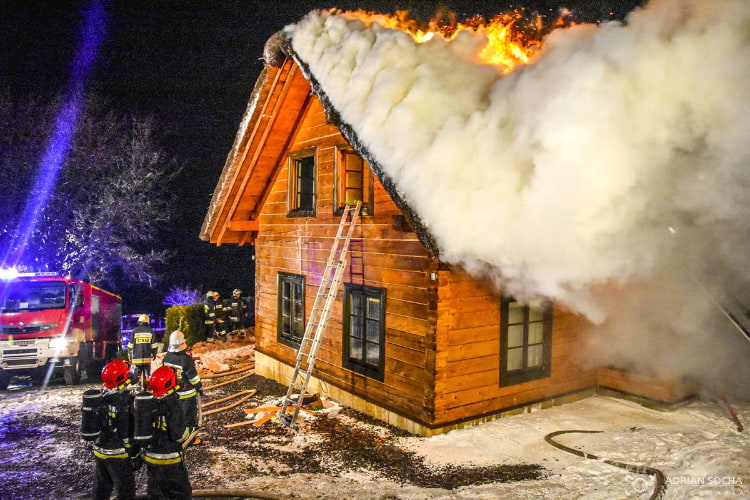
<point x="278" y="102"/>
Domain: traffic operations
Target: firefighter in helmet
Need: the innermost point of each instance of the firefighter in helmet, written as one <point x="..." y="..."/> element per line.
<point x="189" y="383"/>
<point x="141" y="349"/>
<point x="167" y="475"/>
<point x="238" y="311"/>
<point x="209" y="315"/>
<point x="221" y="307"/>
<point x="115" y="453"/>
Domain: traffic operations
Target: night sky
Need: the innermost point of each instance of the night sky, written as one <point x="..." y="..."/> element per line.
<point x="191" y="65"/>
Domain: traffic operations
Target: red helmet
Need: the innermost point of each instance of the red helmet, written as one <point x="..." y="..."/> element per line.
<point x="162" y="381"/>
<point x="115" y="374"/>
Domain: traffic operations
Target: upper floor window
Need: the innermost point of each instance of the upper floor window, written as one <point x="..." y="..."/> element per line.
<point x="353" y="180"/>
<point x="291" y="309"/>
<point x="364" y="330"/>
<point x="302" y="192"/>
<point x="525" y="342"/>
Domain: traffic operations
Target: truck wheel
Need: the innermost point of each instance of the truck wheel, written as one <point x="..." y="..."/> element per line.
<point x="73" y="373"/>
<point x="4" y="381"/>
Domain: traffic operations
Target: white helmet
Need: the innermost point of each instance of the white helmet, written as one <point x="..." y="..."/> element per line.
<point x="177" y="341"/>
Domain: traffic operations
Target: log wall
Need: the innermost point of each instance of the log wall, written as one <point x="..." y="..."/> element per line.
<point x="467" y="381"/>
<point x="392" y="259"/>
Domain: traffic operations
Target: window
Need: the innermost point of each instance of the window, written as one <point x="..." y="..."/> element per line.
<point x="291" y="309"/>
<point x="364" y="330"/>
<point x="353" y="180"/>
<point x="525" y="342"/>
<point x="301" y="196"/>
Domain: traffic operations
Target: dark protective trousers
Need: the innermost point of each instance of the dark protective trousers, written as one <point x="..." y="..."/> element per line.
<point x="168" y="482"/>
<point x="113" y="473"/>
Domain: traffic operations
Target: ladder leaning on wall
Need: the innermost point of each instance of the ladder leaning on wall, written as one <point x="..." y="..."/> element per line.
<point x="329" y="287"/>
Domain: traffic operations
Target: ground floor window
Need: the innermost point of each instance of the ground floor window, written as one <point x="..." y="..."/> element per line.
<point x="364" y="330"/>
<point x="291" y="309"/>
<point x="525" y="342"/>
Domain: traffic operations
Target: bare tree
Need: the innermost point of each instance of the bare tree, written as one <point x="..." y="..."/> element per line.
<point x="110" y="200"/>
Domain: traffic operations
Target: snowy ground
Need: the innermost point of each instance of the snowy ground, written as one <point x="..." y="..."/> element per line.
<point x="697" y="447"/>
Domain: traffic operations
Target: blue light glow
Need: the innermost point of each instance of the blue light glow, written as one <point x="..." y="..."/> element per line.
<point x="93" y="29"/>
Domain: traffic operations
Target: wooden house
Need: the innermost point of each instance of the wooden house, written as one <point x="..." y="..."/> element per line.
<point x="411" y="341"/>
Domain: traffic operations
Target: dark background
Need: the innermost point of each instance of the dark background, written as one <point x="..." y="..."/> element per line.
<point x="192" y="65"/>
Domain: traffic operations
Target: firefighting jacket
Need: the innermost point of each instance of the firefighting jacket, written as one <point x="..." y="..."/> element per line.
<point x="143" y="338"/>
<point x="116" y="414"/>
<point x="165" y="447"/>
<point x="187" y="375"/>
<point x="237" y="309"/>
<point x="213" y="311"/>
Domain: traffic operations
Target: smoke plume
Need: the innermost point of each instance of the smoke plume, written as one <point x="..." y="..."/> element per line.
<point x="611" y="175"/>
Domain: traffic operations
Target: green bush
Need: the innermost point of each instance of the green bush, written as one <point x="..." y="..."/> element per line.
<point x="188" y="319"/>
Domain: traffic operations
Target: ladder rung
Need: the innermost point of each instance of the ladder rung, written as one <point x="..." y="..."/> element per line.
<point x="328" y="289"/>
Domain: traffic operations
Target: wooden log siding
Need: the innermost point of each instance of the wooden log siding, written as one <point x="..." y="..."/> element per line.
<point x="392" y="259"/>
<point x="467" y="379"/>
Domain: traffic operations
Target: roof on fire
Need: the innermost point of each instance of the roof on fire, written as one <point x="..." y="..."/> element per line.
<point x="284" y="83"/>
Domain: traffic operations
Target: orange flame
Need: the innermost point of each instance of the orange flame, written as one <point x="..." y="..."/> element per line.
<point x="507" y="46"/>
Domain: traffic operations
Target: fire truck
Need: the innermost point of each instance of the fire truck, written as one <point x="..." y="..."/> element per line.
<point x="51" y="324"/>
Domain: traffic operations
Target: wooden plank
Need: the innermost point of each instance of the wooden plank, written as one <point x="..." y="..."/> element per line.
<point x="473" y="350"/>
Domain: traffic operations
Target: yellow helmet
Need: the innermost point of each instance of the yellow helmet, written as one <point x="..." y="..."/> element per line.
<point x="143" y="318"/>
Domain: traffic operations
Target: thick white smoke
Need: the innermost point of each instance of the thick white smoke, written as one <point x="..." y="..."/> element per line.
<point x="612" y="175"/>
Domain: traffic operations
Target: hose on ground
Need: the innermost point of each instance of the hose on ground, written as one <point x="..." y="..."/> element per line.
<point x="660" y="487"/>
<point x="226" y="493"/>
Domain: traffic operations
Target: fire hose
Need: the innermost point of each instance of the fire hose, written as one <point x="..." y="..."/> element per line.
<point x="247" y="494"/>
<point x="251" y="370"/>
<point x="222" y="400"/>
<point x="233" y="405"/>
<point x="661" y="482"/>
<point x="231" y="372"/>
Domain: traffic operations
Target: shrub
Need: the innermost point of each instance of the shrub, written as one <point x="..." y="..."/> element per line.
<point x="188" y="319"/>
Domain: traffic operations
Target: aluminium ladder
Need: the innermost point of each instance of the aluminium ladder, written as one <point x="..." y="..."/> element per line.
<point x="329" y="287"/>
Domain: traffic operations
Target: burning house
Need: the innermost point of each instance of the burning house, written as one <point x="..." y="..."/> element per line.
<point x="481" y="261"/>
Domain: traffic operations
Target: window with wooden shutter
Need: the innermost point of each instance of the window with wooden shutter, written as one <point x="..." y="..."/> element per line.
<point x="353" y="180"/>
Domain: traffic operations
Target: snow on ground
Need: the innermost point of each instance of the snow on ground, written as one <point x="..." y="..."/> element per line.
<point x="696" y="446"/>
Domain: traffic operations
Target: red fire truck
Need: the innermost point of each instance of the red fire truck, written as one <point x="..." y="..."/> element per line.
<point x="52" y="324"/>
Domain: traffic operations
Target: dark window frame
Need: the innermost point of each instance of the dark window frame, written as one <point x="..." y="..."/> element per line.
<point x="362" y="365"/>
<point x="296" y="183"/>
<point x="340" y="186"/>
<point x="525" y="373"/>
<point x="285" y="325"/>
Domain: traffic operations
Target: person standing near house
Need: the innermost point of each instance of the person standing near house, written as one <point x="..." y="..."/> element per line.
<point x="141" y="349"/>
<point x="237" y="312"/>
<point x="115" y="454"/>
<point x="209" y="316"/>
<point x="189" y="383"/>
<point x="221" y="309"/>
<point x="167" y="475"/>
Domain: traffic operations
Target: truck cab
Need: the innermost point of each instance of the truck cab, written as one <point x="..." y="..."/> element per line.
<point x="56" y="325"/>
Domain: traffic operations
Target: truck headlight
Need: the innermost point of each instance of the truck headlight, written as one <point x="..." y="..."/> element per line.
<point x="58" y="343"/>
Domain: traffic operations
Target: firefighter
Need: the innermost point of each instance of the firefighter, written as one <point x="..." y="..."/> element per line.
<point x="141" y="349"/>
<point x="221" y="308"/>
<point x="209" y="316"/>
<point x="116" y="455"/>
<point x="180" y="360"/>
<point x="167" y="475"/>
<point x="238" y="311"/>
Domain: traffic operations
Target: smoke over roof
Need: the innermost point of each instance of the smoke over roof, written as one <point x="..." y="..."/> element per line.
<point x="611" y="175"/>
